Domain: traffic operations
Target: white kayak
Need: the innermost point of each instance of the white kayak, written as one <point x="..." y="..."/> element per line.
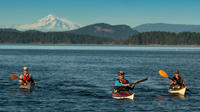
<point x="178" y="91"/>
<point x="122" y="95"/>
<point x="28" y="86"/>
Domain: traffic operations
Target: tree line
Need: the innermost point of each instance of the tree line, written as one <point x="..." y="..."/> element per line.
<point x="14" y="36"/>
<point x="11" y="36"/>
<point x="165" y="38"/>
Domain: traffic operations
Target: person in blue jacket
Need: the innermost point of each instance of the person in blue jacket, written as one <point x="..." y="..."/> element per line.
<point x="122" y="84"/>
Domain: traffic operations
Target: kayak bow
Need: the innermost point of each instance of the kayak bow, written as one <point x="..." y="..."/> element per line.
<point x="28" y="86"/>
<point x="179" y="91"/>
<point x="123" y="94"/>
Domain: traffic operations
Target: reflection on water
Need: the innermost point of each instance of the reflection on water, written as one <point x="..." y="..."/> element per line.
<point x="20" y="90"/>
<point x="175" y="96"/>
<point x="124" y="101"/>
<point x="178" y="96"/>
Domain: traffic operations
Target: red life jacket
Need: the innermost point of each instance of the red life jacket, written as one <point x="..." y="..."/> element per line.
<point x="124" y="81"/>
<point x="26" y="78"/>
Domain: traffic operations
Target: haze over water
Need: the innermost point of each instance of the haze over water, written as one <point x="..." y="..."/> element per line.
<point x="80" y="77"/>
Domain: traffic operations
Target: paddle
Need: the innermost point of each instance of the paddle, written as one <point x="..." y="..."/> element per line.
<point x="164" y="74"/>
<point x="13" y="76"/>
<point x="140" y="81"/>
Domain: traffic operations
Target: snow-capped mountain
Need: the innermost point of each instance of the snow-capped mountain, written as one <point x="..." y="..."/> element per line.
<point x="50" y="23"/>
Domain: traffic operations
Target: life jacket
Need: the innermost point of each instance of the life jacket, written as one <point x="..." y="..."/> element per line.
<point x="122" y="88"/>
<point x="123" y="81"/>
<point x="26" y="78"/>
<point x="179" y="83"/>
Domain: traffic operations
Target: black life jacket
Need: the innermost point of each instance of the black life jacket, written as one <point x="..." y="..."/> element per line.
<point x="178" y="81"/>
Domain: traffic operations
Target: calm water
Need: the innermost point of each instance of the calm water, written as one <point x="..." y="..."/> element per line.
<point x="80" y="78"/>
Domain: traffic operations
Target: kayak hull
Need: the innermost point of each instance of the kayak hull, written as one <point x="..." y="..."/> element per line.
<point x="123" y="95"/>
<point x="25" y="86"/>
<point x="178" y="91"/>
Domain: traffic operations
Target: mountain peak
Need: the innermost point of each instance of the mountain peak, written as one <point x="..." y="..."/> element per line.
<point x="51" y="15"/>
<point x="50" y="23"/>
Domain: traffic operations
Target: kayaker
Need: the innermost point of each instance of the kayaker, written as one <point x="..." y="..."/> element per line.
<point x="177" y="82"/>
<point x="122" y="84"/>
<point x="26" y="78"/>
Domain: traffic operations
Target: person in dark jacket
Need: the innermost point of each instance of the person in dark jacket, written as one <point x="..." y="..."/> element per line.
<point x="177" y="82"/>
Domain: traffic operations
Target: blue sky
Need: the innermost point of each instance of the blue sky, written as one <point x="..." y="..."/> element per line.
<point x="84" y="12"/>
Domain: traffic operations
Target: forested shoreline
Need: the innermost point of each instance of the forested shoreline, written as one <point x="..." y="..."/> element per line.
<point x="11" y="36"/>
<point x="165" y="38"/>
<point x="37" y="37"/>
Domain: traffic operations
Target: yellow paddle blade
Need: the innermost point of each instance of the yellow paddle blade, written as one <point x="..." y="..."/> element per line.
<point x="13" y="76"/>
<point x="163" y="73"/>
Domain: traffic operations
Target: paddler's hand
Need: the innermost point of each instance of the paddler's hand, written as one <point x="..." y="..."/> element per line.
<point x="126" y="84"/>
<point x="135" y="83"/>
<point x="175" y="82"/>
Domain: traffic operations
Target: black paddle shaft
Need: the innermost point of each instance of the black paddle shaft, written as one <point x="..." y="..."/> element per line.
<point x="138" y="82"/>
<point x="170" y="78"/>
<point x="142" y="80"/>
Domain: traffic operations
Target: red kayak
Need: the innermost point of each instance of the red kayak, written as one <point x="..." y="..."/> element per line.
<point x="123" y="94"/>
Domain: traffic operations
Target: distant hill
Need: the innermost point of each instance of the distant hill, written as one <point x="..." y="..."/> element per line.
<point x="167" y="27"/>
<point x="8" y="30"/>
<point x="116" y="32"/>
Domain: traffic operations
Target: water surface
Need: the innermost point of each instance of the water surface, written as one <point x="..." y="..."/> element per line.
<point x="80" y="77"/>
